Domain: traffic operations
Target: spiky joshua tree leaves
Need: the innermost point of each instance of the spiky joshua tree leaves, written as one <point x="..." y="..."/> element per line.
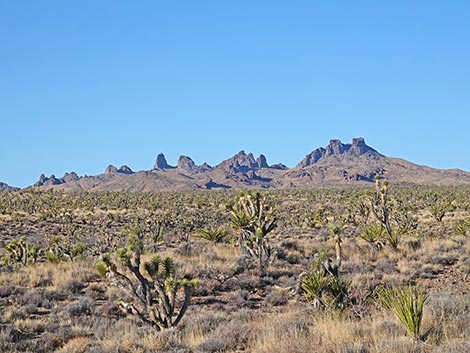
<point x="159" y="298"/>
<point x="253" y="217"/>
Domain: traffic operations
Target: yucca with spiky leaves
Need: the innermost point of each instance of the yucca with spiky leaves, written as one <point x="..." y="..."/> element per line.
<point x="373" y="233"/>
<point x="153" y="285"/>
<point x="462" y="227"/>
<point x="217" y="235"/>
<point x="323" y="290"/>
<point x="406" y="303"/>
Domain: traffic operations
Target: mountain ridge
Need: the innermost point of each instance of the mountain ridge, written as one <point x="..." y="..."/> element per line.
<point x="337" y="163"/>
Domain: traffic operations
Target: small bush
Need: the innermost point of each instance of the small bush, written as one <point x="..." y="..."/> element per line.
<point x="83" y="306"/>
<point x="74" y="286"/>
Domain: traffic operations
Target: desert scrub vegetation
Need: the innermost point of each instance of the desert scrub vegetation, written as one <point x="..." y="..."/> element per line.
<point x="309" y="297"/>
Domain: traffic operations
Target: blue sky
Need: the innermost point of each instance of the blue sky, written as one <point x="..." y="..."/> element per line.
<point x="85" y="84"/>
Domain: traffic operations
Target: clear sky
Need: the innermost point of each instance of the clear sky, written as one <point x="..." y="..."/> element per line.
<point x="88" y="83"/>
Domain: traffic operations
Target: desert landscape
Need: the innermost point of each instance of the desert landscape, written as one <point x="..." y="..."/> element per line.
<point x="234" y="176"/>
<point x="251" y="270"/>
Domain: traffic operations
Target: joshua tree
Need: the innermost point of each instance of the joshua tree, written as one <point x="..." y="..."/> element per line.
<point x="153" y="285"/>
<point x="19" y="253"/>
<point x="381" y="211"/>
<point x="254" y="218"/>
<point x="332" y="266"/>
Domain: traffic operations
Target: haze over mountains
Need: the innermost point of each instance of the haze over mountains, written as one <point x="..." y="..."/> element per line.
<point x="336" y="164"/>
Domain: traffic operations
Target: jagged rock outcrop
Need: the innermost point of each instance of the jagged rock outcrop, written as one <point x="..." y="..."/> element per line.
<point x="359" y="147"/>
<point x="161" y="163"/>
<point x="335" y="147"/>
<point x="240" y="163"/>
<point x="336" y="150"/>
<point x="279" y="166"/>
<point x="52" y="180"/>
<point x="262" y="162"/>
<point x="312" y="157"/>
<point x="48" y="181"/>
<point x="187" y="165"/>
<point x="243" y="163"/>
<point x="336" y="164"/>
<point x="68" y="177"/>
<point x="4" y="186"/>
<point x="110" y="169"/>
<point x="124" y="169"/>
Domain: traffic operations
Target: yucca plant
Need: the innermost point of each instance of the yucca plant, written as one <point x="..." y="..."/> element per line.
<point x="323" y="290"/>
<point x="462" y="227"/>
<point x="406" y="303"/>
<point x="218" y="235"/>
<point x="438" y="212"/>
<point x="373" y="233"/>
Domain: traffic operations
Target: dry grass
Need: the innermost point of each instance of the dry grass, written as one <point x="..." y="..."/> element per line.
<point x="65" y="307"/>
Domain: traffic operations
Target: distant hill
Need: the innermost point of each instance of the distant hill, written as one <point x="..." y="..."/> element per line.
<point x="335" y="164"/>
<point x="4" y="186"/>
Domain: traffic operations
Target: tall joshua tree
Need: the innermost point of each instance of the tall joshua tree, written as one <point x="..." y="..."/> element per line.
<point x="253" y="216"/>
<point x="379" y="205"/>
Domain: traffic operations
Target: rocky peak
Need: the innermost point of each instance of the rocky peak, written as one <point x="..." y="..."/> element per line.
<point x="124" y="169"/>
<point x="42" y="179"/>
<point x="335" y="147"/>
<point x="204" y="167"/>
<point x="4" y="186"/>
<point x="160" y="162"/>
<point x="279" y="166"/>
<point x="110" y="169"/>
<point x="45" y="181"/>
<point x="312" y="157"/>
<point x="262" y="162"/>
<point x="69" y="177"/>
<point x="186" y="163"/>
<point x="359" y="146"/>
<point x="241" y="162"/>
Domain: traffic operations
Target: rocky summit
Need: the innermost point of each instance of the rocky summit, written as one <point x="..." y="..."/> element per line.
<point x="338" y="163"/>
<point x="4" y="186"/>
